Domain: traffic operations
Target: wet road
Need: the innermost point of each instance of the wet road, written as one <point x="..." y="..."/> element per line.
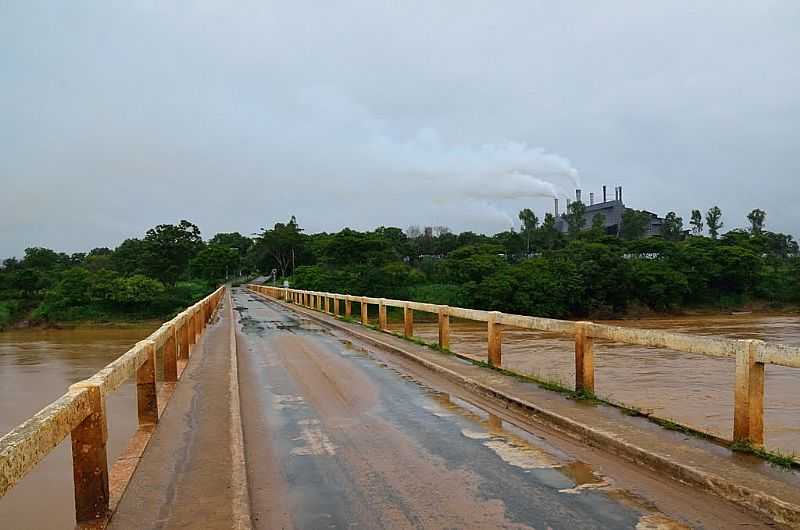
<point x="337" y="437"/>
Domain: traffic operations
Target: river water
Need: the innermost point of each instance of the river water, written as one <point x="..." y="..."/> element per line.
<point x="36" y="367"/>
<point x="690" y="389"/>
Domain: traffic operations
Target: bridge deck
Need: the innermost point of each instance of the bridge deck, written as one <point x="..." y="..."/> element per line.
<point x="341" y="434"/>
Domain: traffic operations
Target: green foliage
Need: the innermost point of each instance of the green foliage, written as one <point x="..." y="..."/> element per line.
<point x="215" y="263"/>
<point x="756" y="218"/>
<point x="168" y="250"/>
<point x="673" y="227"/>
<point x="714" y="221"/>
<point x="697" y="222"/>
<point x="634" y="224"/>
<point x="537" y="271"/>
<point x="575" y="217"/>
<point x="137" y="290"/>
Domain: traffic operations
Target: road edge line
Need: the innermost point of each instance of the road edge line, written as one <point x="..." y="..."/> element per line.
<point x="758" y="501"/>
<point x="240" y="499"/>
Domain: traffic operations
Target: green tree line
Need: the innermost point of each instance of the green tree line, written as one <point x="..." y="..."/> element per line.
<point x="536" y="270"/>
<point x="155" y="276"/>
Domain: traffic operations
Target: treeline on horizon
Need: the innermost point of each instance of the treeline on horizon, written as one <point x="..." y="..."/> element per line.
<point x="535" y="270"/>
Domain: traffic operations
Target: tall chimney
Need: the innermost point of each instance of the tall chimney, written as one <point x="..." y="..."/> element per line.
<point x="556" y="210"/>
<point x="616" y="193"/>
<point x="591" y="198"/>
<point x="604" y="193"/>
<point x="578" y="195"/>
<point x="620" y="194"/>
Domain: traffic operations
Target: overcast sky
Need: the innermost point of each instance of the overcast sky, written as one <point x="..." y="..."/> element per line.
<point x="116" y="116"/>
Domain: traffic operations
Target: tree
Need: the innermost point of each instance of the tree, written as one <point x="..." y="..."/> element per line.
<point x="548" y="235"/>
<point x="280" y="247"/>
<point x="168" y="250"/>
<point x="714" y="221"/>
<point x="137" y="290"/>
<point x="756" y="218"/>
<point x="215" y="262"/>
<point x="232" y="240"/>
<point x="598" y="229"/>
<point x="697" y="222"/>
<point x="529" y="224"/>
<point x="672" y="229"/>
<point x="634" y="224"/>
<point x="576" y="218"/>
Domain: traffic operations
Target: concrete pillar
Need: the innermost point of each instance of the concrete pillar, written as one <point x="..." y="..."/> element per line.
<point x="90" y="460"/>
<point x="408" y="321"/>
<point x="183" y="339"/>
<point x="190" y="327"/>
<point x="444" y="327"/>
<point x="584" y="358"/>
<point x="382" y="323"/>
<point x="748" y="419"/>
<point x="364" y="311"/>
<point x="494" y="341"/>
<point x="348" y="308"/>
<point x="146" y="396"/>
<point x="170" y="355"/>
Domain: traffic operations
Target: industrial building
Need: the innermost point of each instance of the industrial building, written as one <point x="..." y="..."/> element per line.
<point x="612" y="212"/>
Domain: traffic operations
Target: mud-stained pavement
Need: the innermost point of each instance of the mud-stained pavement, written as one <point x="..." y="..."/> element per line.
<point x="337" y="437"/>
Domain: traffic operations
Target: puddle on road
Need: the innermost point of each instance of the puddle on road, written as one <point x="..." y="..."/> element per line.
<point x="522" y="449"/>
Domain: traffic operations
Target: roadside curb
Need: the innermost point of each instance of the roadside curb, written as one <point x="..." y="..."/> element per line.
<point x="776" y="509"/>
<point x="240" y="499"/>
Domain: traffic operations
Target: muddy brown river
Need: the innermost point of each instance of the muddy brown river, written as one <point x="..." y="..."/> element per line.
<point x="691" y="389"/>
<point x="36" y="367"/>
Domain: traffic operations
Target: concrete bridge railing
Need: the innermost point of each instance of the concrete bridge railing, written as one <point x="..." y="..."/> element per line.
<point x="751" y="355"/>
<point x="80" y="413"/>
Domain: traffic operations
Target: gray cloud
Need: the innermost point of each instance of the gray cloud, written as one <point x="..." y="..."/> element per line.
<point x="116" y="117"/>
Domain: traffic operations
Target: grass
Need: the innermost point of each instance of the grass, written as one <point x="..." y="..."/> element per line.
<point x="775" y="458"/>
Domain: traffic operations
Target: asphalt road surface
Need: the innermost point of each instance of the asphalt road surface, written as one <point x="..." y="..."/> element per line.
<point x="338" y="435"/>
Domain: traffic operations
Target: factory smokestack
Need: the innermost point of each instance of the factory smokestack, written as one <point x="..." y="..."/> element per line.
<point x="591" y="198"/>
<point x="620" y="194"/>
<point x="604" y="193"/>
<point x="556" y="208"/>
<point x="616" y="193"/>
<point x="578" y="195"/>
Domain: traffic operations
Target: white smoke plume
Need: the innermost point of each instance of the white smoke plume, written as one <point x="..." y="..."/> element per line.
<point x="486" y="175"/>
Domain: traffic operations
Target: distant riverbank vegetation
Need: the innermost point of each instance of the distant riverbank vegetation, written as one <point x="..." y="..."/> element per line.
<point x="153" y="277"/>
<point x="535" y="270"/>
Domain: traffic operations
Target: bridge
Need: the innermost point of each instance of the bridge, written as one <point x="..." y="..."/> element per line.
<point x="266" y="407"/>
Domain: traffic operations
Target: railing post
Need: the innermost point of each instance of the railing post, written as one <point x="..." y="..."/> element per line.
<point x="495" y="341"/>
<point x="584" y="358"/>
<point x="444" y="327"/>
<point x="190" y="328"/>
<point x="146" y="396"/>
<point x="348" y="307"/>
<point x="408" y="321"/>
<point x="748" y="420"/>
<point x="364" y="311"/>
<point x="382" y="324"/>
<point x="90" y="459"/>
<point x="335" y="306"/>
<point x="319" y="302"/>
<point x="328" y="308"/>
<point x="183" y="337"/>
<point x="170" y="354"/>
